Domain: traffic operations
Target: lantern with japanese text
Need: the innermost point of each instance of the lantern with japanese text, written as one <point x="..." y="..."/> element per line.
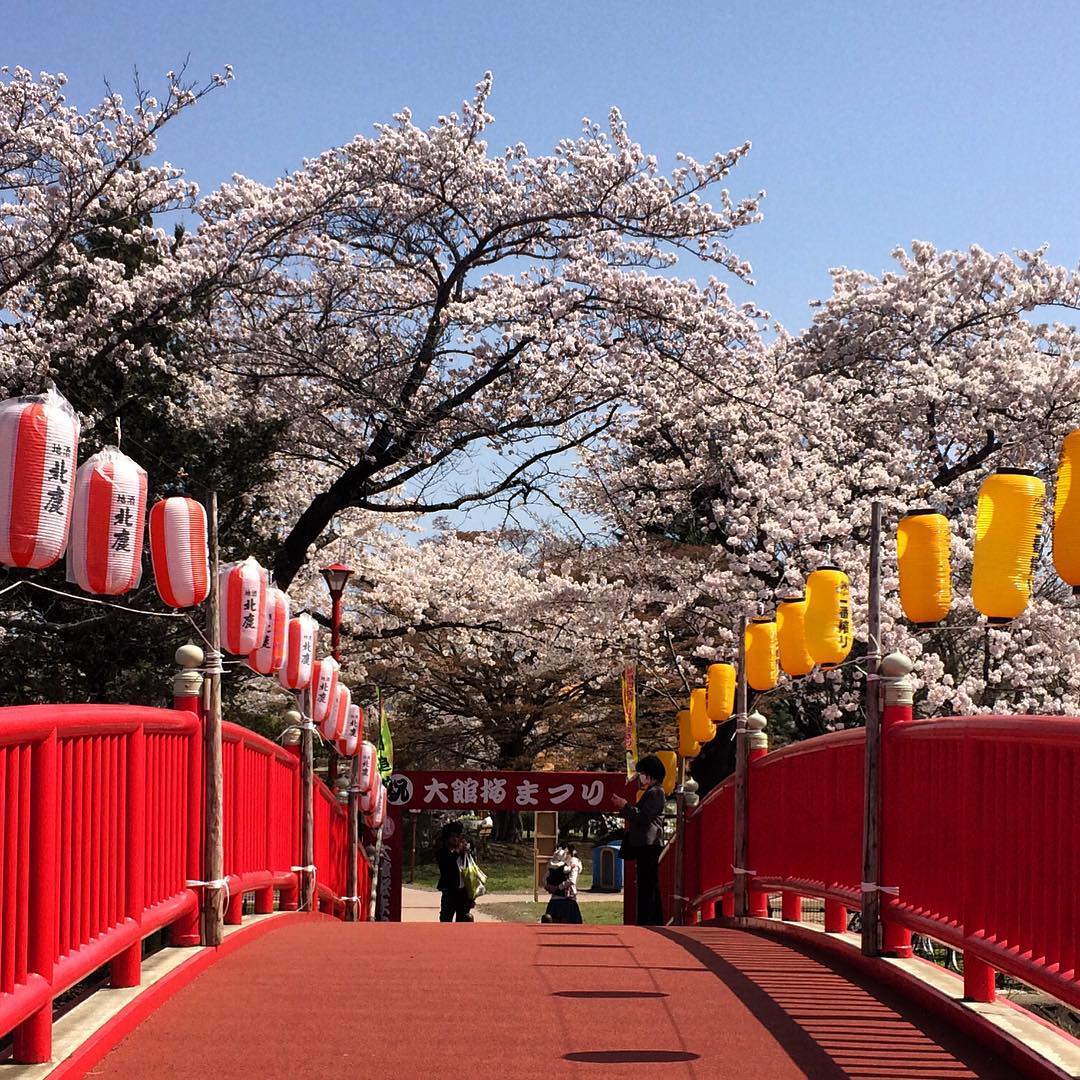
<point x="670" y="762"/>
<point x="334" y="724"/>
<point x="720" y="692"/>
<point x="39" y="445"/>
<point x="762" y="668"/>
<point x="242" y="608"/>
<point x="1008" y="521"/>
<point x="369" y="797"/>
<point x="1067" y="513"/>
<point x="922" y="555"/>
<point x="795" y="658"/>
<point x="324" y="682"/>
<point x="702" y="727"/>
<point x="270" y="655"/>
<point x="828" y="616"/>
<point x="688" y="745"/>
<point x="369" y="766"/>
<point x="108" y="519"/>
<point x="179" y="551"/>
<point x="349" y="743"/>
<point x="295" y="673"/>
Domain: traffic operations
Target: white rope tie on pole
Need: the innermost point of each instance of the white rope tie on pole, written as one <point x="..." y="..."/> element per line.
<point x="303" y="869"/>
<point x="873" y="886"/>
<point x="217" y="883"/>
<point x="213" y="663"/>
<point x="739" y="870"/>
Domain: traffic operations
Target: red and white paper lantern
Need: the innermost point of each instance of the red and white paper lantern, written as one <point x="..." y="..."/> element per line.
<point x="334" y="725"/>
<point x="271" y="653"/>
<point x="39" y="445"/>
<point x="296" y="672"/>
<point x="375" y="818"/>
<point x="242" y="610"/>
<point x="369" y="766"/>
<point x="179" y="551"/>
<point x="109" y="516"/>
<point x="369" y="799"/>
<point x="324" y="681"/>
<point x="349" y="743"/>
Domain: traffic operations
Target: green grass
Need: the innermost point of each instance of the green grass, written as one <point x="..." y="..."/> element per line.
<point x="598" y="913"/>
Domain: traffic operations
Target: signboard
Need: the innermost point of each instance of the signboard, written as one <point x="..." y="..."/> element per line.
<point x="573" y="792"/>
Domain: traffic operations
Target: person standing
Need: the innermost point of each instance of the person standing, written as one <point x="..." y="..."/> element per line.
<point x="561" y="883"/>
<point x="644" y="839"/>
<point x="450" y="849"/>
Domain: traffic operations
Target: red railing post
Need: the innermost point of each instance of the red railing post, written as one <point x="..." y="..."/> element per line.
<point x="33" y="1037"/>
<point x="187" y="695"/>
<point x="234" y="796"/>
<point x="126" y="969"/>
<point x="757" y="746"/>
<point x="894" y="675"/>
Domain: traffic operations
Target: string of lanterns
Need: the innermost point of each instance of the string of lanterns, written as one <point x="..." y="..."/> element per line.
<point x="814" y="629"/>
<point x="97" y="514"/>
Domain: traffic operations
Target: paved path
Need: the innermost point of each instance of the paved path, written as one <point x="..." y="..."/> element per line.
<point x="422" y="905"/>
<point x="323" y="998"/>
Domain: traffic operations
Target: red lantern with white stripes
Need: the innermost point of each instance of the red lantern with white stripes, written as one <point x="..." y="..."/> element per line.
<point x="39" y="445"/>
<point x="270" y="654"/>
<point x="242" y="606"/>
<point x="369" y="799"/>
<point x="369" y="766"/>
<point x="349" y="743"/>
<point x="179" y="551"/>
<point x="105" y="549"/>
<point x="334" y="725"/>
<point x="375" y="819"/>
<point x="324" y="681"/>
<point x="296" y="672"/>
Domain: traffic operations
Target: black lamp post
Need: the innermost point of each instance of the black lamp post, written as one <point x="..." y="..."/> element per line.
<point x="337" y="576"/>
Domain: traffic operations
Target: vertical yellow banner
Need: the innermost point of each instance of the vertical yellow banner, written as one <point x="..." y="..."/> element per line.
<point x="628" y="683"/>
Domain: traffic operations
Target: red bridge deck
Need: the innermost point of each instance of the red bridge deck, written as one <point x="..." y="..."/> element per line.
<point x="413" y="1000"/>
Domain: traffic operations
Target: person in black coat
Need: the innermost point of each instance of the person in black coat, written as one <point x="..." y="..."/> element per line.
<point x="645" y="838"/>
<point x="451" y="845"/>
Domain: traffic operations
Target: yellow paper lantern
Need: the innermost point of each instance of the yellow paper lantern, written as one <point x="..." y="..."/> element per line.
<point x="720" y="692"/>
<point x="795" y="658"/>
<point x="688" y="745"/>
<point x="922" y="553"/>
<point x="1067" y="513"/>
<point x="762" y="666"/>
<point x="671" y="769"/>
<point x="700" y="724"/>
<point x="1007" y="526"/>
<point x="828" y="616"/>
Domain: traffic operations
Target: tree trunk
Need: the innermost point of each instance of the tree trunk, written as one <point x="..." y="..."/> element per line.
<point x="507" y="826"/>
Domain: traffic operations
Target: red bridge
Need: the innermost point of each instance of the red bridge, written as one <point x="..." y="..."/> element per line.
<point x="970" y="833"/>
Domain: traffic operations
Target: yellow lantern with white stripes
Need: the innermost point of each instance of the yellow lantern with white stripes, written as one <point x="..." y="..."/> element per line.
<point x="700" y="724"/>
<point x="795" y="658"/>
<point x="828" y="616"/>
<point x="688" y="745"/>
<point x="922" y="555"/>
<point x="762" y="662"/>
<point x="1008" y="522"/>
<point x="720" y="692"/>
<point x="1067" y="513"/>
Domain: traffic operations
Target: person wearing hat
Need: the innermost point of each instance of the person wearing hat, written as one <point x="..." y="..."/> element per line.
<point x="561" y="883"/>
<point x="644" y="839"/>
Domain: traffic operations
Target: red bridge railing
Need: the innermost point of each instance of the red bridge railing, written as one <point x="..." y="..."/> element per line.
<point x="980" y="825"/>
<point x="101" y="844"/>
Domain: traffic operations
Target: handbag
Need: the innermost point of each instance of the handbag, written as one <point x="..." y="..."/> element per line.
<point x="475" y="879"/>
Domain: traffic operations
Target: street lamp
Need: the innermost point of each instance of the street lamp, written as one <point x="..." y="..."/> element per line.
<point x="337" y="576"/>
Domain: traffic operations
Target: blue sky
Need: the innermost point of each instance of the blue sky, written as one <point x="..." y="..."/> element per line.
<point x="872" y="124"/>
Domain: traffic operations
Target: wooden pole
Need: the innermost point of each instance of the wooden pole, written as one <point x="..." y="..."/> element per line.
<point x="740" y="883"/>
<point x="214" y="857"/>
<point x="871" y="898"/>
<point x="679" y="914"/>
<point x="307" y="803"/>
<point x="352" y="906"/>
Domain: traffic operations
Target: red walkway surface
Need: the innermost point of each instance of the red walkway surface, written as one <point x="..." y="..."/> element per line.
<point x="418" y="1000"/>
